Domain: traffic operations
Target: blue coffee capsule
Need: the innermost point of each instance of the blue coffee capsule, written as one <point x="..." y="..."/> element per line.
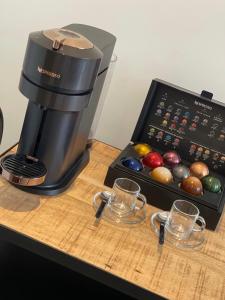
<point x="132" y="163"/>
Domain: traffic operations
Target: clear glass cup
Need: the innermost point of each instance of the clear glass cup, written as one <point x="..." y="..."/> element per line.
<point x="124" y="197"/>
<point x="182" y="220"/>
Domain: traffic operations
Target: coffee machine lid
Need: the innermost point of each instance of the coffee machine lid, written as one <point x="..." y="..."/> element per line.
<point x="61" y="65"/>
<point x="64" y="37"/>
<point x="60" y="61"/>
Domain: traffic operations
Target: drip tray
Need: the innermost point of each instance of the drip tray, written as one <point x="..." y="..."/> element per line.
<point x="23" y="170"/>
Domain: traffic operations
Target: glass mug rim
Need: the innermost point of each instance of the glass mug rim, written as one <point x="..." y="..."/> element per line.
<point x="189" y="203"/>
<point x="125" y="190"/>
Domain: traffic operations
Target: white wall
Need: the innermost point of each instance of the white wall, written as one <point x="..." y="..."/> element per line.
<point x="179" y="41"/>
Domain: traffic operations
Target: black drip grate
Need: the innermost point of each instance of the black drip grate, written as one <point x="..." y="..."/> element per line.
<point x="23" y="167"/>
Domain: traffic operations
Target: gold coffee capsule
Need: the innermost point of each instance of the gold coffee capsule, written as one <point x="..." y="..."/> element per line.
<point x="162" y="175"/>
<point x="142" y="149"/>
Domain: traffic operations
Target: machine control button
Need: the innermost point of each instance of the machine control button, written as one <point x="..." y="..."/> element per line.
<point x="61" y="37"/>
<point x="56" y="44"/>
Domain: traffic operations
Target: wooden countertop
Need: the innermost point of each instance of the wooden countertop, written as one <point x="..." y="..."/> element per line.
<point x="66" y="223"/>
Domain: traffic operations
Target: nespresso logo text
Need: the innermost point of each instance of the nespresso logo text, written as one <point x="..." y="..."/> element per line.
<point x="48" y="73"/>
<point x="203" y="105"/>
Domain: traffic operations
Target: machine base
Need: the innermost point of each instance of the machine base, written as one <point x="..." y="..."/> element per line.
<point x="64" y="183"/>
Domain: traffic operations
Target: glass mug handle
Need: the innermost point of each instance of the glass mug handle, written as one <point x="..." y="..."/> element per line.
<point x="143" y="199"/>
<point x="202" y="226"/>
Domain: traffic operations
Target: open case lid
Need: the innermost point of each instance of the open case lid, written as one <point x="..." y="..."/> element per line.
<point x="192" y="124"/>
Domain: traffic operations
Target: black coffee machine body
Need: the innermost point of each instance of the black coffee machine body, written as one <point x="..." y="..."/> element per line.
<point x="63" y="75"/>
<point x="1" y="125"/>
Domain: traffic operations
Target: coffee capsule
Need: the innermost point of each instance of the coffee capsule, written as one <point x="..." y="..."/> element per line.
<point x="162" y="175"/>
<point x="171" y="158"/>
<point x="142" y="149"/>
<point x="192" y="185"/>
<point x="153" y="160"/>
<point x="199" y="169"/>
<point x="181" y="172"/>
<point x="132" y="163"/>
<point x="211" y="184"/>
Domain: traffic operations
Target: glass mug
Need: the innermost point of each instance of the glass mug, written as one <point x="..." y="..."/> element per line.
<point x="182" y="220"/>
<point x="124" y="197"/>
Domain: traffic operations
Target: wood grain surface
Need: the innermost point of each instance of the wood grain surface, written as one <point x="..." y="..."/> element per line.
<point x="66" y="222"/>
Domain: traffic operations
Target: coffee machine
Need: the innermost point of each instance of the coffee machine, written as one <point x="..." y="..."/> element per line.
<point x="62" y="76"/>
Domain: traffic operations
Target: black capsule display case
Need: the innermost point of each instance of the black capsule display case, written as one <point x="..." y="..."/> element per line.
<point x="193" y="125"/>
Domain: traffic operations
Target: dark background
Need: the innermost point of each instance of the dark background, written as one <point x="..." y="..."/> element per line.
<point x="24" y="275"/>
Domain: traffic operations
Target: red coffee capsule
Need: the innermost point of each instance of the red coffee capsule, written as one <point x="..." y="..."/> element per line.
<point x="153" y="160"/>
